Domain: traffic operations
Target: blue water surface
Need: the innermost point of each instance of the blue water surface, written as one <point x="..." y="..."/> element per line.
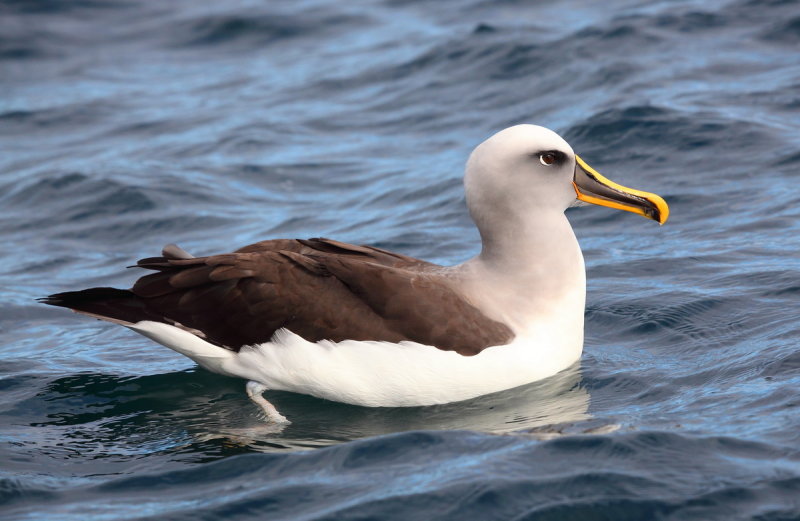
<point x="128" y="125"/>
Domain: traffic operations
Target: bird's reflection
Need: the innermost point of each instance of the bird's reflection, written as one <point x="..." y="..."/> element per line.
<point x="541" y="408"/>
<point x="202" y="412"/>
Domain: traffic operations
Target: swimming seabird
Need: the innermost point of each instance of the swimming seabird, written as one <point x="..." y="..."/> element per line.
<point x="366" y="326"/>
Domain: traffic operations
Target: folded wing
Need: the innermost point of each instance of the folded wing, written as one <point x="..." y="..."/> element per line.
<point x="319" y="289"/>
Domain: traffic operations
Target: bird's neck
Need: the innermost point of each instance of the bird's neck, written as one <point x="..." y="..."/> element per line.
<point x="528" y="266"/>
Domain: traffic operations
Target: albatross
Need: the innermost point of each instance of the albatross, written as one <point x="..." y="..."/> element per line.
<point x="370" y="327"/>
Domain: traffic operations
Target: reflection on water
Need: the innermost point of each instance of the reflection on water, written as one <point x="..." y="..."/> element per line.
<point x="541" y="405"/>
<point x="122" y="417"/>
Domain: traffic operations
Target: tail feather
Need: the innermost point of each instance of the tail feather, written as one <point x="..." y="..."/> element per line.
<point x="114" y="305"/>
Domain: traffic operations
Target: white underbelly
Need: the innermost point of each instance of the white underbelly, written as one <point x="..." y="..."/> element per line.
<point x="380" y="374"/>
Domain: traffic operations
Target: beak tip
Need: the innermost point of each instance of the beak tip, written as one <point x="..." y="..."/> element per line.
<point x="663" y="209"/>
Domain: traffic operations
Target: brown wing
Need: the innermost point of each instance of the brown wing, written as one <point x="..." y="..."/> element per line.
<point x="318" y="289"/>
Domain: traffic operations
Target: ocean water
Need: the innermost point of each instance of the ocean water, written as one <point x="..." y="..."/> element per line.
<point x="128" y="125"/>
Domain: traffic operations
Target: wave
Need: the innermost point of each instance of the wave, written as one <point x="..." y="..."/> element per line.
<point x="461" y="475"/>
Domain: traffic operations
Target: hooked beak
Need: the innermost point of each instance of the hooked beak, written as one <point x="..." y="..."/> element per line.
<point x="593" y="188"/>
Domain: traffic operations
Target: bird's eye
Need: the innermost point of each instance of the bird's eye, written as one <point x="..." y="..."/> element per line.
<point x="547" y="158"/>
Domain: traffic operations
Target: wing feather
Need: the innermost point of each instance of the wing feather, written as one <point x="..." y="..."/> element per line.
<point x="320" y="289"/>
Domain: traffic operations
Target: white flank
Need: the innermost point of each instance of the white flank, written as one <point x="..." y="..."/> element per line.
<point x="380" y="374"/>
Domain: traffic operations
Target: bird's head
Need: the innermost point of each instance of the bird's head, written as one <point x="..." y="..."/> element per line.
<point x="528" y="168"/>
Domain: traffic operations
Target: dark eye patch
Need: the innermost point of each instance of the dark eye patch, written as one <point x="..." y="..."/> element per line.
<point x="550" y="157"/>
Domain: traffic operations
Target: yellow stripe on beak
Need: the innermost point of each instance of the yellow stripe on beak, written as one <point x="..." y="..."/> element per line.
<point x="594" y="188"/>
